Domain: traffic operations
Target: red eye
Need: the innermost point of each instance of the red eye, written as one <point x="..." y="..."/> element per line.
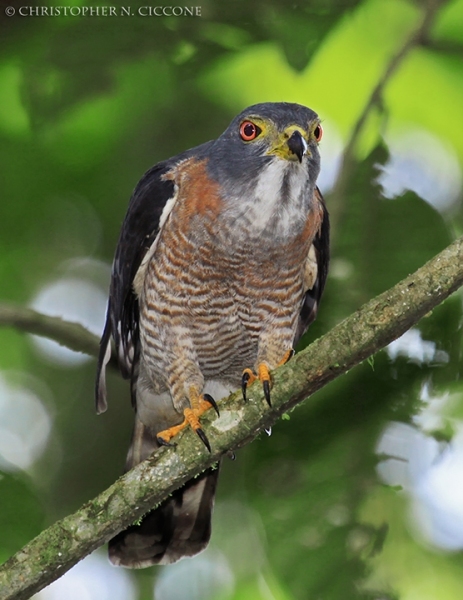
<point x="249" y="131"/>
<point x="318" y="132"/>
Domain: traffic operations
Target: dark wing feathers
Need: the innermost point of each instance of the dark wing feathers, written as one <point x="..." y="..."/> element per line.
<point x="139" y="230"/>
<point x="312" y="297"/>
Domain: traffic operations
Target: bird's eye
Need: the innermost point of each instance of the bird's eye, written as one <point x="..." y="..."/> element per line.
<point x="249" y="131"/>
<point x="318" y="132"/>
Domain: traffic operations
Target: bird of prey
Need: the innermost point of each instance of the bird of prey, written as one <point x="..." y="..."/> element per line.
<point x="219" y="270"/>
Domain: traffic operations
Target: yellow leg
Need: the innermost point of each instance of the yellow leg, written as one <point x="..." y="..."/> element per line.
<point x="263" y="375"/>
<point x="199" y="404"/>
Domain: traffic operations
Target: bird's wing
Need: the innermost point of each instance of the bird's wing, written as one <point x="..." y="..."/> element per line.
<point x="139" y="230"/>
<point x="149" y="206"/>
<point x="316" y="271"/>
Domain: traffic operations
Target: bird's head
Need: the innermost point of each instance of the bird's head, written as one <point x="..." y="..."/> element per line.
<point x="272" y="130"/>
<point x="286" y="138"/>
<point x="267" y="163"/>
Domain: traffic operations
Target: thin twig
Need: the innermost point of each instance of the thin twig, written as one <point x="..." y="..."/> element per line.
<point x="419" y="36"/>
<point x="72" y="335"/>
<point x="66" y="333"/>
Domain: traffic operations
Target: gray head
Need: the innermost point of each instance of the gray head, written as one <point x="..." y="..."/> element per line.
<point x="267" y="163"/>
<point x="262" y="133"/>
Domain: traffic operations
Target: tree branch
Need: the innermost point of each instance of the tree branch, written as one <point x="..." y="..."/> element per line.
<point x="66" y="333"/>
<point x="362" y="334"/>
<point x="72" y="335"/>
<point x="418" y="36"/>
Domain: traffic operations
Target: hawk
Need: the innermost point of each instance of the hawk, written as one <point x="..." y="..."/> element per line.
<point x="219" y="270"/>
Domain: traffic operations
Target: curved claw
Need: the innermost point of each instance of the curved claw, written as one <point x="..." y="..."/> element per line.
<point x="162" y="442"/>
<point x="198" y="406"/>
<point x="203" y="437"/>
<point x="248" y="378"/>
<point x="212" y="402"/>
<point x="244" y="384"/>
<point x="266" y="386"/>
<point x="288" y="356"/>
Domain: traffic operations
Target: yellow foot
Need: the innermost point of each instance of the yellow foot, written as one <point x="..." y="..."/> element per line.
<point x="199" y="405"/>
<point x="263" y="375"/>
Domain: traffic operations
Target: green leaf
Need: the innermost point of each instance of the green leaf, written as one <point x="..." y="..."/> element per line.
<point x="21" y="515"/>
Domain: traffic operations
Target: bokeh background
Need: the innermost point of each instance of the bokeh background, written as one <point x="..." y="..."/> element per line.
<point x="358" y="495"/>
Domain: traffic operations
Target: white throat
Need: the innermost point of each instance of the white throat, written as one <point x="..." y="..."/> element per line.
<point x="281" y="198"/>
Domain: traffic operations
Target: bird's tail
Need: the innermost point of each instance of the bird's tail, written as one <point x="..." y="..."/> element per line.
<point x="180" y="526"/>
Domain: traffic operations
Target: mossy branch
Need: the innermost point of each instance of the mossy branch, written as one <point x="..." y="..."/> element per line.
<point x="362" y="334"/>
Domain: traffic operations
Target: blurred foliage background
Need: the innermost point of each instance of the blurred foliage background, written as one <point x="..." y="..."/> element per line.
<point x="359" y="495"/>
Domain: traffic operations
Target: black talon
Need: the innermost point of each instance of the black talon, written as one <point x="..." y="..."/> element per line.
<point x="266" y="386"/>
<point x="212" y="402"/>
<point x="162" y="442"/>
<point x="202" y="436"/>
<point x="244" y="385"/>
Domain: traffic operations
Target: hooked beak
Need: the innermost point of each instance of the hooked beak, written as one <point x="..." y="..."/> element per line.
<point x="297" y="145"/>
<point x="291" y="144"/>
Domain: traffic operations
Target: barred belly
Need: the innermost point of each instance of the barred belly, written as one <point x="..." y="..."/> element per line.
<point x="214" y="314"/>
